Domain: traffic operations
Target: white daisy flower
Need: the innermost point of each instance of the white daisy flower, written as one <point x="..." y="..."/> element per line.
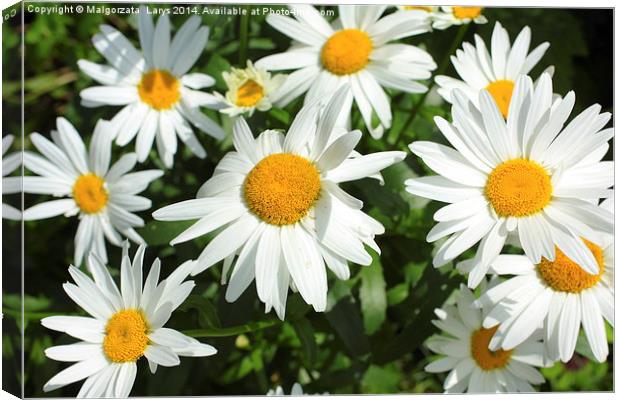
<point x="281" y="211"/>
<point x="453" y="15"/>
<point x="296" y="390"/>
<point x="429" y="11"/>
<point x="559" y="294"/>
<point x="355" y="52"/>
<point x="124" y="326"/>
<point x="105" y="198"/>
<point x="496" y="71"/>
<point x="529" y="175"/>
<point x="13" y="184"/>
<point x="472" y="367"/>
<point x="249" y="89"/>
<point x="159" y="96"/>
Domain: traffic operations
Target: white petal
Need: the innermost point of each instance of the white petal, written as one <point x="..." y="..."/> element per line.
<point x="292" y="59"/>
<point x="568" y="326"/>
<point x="161" y="42"/>
<point x="226" y="242"/>
<point x="196" y="349"/>
<point x="461" y="371"/>
<point x="441" y="365"/>
<point x="101" y="73"/>
<point x="201" y="121"/>
<point x="268" y="255"/>
<point x="49" y="209"/>
<point x="339" y="103"/>
<point x="305" y="265"/>
<point x="191" y="209"/>
<point x="74" y="352"/>
<point x="84" y="328"/>
<point x="128" y="128"/>
<point x="295" y="30"/>
<point x="295" y="85"/>
<point x="184" y="36"/>
<point x="593" y="325"/>
<point x="76" y="372"/>
<point x="100" y="148"/>
<point x="125" y="380"/>
<point x="244" y="270"/>
<point x="197" y="80"/>
<point x="161" y="355"/>
<point x="227" y="184"/>
<point x="169" y="337"/>
<point x="110" y="95"/>
<point x="243" y="140"/>
<point x="191" y="52"/>
<point x="303" y="126"/>
<point x="528" y="321"/>
<point x="364" y="166"/>
<point x="448" y="163"/>
<point x="339" y="150"/>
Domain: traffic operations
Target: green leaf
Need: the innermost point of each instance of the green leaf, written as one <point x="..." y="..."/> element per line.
<point x="431" y="292"/>
<point x="157" y="233"/>
<point x="372" y="296"/>
<point x="305" y="334"/>
<point x="232" y="330"/>
<point x="218" y="64"/>
<point x="31" y="303"/>
<point x="398" y="294"/>
<point x="381" y="379"/>
<point x="280" y="115"/>
<point x="207" y="313"/>
<point x="346" y="319"/>
<point x="238" y="370"/>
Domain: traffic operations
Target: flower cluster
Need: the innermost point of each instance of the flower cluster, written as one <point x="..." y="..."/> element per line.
<point x="516" y="171"/>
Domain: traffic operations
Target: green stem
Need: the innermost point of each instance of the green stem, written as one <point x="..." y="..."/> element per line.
<point x="232" y="330"/>
<point x="442" y="68"/>
<point x="259" y="368"/>
<point x="244" y="25"/>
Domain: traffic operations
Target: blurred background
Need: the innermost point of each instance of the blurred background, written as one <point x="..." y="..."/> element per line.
<point x="371" y="339"/>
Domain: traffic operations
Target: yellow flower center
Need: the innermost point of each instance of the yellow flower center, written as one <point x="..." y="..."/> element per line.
<point x="423" y="8"/>
<point x="89" y="193"/>
<point x="281" y="188"/>
<point x="518" y="188"/>
<point x="564" y="275"/>
<point x="466" y="12"/>
<point x="249" y="94"/>
<point x="485" y="358"/>
<point x="159" y="89"/>
<point x="346" y="52"/>
<point x="502" y="93"/>
<point x="126" y="336"/>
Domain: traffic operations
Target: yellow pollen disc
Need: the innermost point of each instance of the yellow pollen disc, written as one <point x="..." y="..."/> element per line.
<point x="346" y="52"/>
<point x="518" y="188"/>
<point x="281" y="188"/>
<point x="423" y="8"/>
<point x="564" y="275"/>
<point x="502" y="93"/>
<point x="126" y="336"/>
<point x="249" y="94"/>
<point x="485" y="358"/>
<point x="159" y="89"/>
<point x="466" y="12"/>
<point x="89" y="193"/>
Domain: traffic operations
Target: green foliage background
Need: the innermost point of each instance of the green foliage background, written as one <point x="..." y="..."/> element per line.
<point x="371" y="338"/>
